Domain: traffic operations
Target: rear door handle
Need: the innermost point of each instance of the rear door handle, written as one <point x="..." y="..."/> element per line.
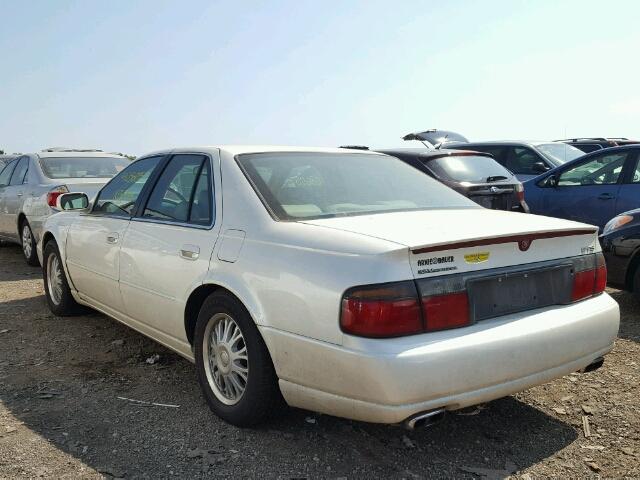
<point x="19" y="194"/>
<point x="113" y="238"/>
<point x="606" y="196"/>
<point x="190" y="252"/>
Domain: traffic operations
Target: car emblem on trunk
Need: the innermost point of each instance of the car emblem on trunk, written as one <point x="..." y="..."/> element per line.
<point x="494" y="189"/>
<point x="524" y="245"/>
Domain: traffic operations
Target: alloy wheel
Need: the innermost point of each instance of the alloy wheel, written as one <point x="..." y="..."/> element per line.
<point x="54" y="279"/>
<point x="226" y="361"/>
<point x="27" y="243"/>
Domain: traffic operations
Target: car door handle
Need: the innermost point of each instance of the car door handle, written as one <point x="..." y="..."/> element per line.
<point x="19" y="194"/>
<point x="606" y="196"/>
<point x="190" y="252"/>
<point x="113" y="238"/>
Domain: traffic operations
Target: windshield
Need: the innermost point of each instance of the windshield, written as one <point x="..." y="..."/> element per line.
<point x="318" y="185"/>
<point x="559" y="153"/>
<point x="469" y="168"/>
<point x="83" y="167"/>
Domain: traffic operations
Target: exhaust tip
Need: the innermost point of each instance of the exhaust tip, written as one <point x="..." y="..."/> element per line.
<point x="595" y="365"/>
<point x="425" y="419"/>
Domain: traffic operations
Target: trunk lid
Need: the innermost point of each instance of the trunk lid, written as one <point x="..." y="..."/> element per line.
<point x="89" y="186"/>
<point x="443" y="242"/>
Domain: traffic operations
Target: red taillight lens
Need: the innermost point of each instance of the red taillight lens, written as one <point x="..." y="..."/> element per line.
<point x="583" y="283"/>
<point x="590" y="281"/>
<point x="382" y="310"/>
<point x="520" y="192"/>
<point x="446" y="311"/>
<point x="53" y="195"/>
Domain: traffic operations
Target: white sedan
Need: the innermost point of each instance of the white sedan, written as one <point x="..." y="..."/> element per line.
<point x="341" y="281"/>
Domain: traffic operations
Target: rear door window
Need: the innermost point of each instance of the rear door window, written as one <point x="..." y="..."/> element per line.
<point x="5" y="175"/>
<point x="20" y="172"/>
<point x="521" y="161"/>
<point x="183" y="192"/>
<point x="498" y="152"/>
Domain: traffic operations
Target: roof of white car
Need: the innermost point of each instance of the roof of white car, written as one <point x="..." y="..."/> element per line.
<point x="242" y="149"/>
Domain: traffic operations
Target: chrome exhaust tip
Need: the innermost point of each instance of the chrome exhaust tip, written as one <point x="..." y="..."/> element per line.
<point x="595" y="365"/>
<point x="425" y="419"/>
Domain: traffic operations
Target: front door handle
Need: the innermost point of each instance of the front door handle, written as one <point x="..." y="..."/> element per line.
<point x="606" y="196"/>
<point x="113" y="238"/>
<point x="19" y="194"/>
<point x="190" y="252"/>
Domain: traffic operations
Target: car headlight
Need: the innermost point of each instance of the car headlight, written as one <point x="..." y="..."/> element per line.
<point x="616" y="222"/>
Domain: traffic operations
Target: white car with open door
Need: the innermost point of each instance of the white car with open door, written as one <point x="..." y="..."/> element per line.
<point x="336" y="279"/>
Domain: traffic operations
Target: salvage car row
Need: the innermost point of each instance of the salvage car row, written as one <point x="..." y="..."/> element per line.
<point x="338" y="280"/>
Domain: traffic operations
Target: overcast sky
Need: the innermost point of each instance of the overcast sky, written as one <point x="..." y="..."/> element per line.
<point x="139" y="76"/>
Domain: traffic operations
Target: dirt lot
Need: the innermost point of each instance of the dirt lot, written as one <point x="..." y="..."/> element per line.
<point x="61" y="415"/>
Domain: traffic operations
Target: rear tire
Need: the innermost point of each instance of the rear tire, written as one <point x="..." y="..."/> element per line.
<point x="233" y="365"/>
<point x="28" y="244"/>
<point x="56" y="287"/>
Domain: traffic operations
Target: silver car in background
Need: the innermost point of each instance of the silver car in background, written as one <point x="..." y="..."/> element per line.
<point x="31" y="183"/>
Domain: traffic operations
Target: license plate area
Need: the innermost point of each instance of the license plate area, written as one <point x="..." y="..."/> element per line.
<point x="514" y="292"/>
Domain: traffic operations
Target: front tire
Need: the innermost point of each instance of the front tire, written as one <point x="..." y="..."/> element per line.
<point x="28" y="244"/>
<point x="56" y="287"/>
<point x="233" y="364"/>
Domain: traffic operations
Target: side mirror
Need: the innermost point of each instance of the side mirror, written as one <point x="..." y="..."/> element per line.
<point x="539" y="167"/>
<point x="72" y="201"/>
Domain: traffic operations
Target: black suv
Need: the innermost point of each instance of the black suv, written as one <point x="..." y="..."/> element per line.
<point x="591" y="144"/>
<point x="476" y="175"/>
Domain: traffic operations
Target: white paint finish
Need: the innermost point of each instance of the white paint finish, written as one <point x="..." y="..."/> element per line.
<point x="441" y="369"/>
<point x="440" y="227"/>
<point x="502" y="255"/>
<point x="326" y="402"/>
<point x="291" y="277"/>
<point x="155" y="280"/>
<point x="93" y="262"/>
<point x="231" y="245"/>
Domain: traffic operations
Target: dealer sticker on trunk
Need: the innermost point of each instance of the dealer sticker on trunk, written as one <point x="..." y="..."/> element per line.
<point x="478" y="257"/>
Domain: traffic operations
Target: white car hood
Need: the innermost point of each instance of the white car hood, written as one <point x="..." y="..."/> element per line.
<point x="423" y="228"/>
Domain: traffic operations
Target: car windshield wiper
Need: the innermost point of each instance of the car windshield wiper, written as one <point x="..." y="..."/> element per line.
<point x="495" y="178"/>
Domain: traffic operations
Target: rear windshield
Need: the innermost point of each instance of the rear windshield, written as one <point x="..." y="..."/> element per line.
<point x="469" y="168"/>
<point x="83" y="167"/>
<point x="319" y="185"/>
<point x="559" y="152"/>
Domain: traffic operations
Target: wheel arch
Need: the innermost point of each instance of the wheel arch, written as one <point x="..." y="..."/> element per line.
<point x="46" y="238"/>
<point x="21" y="218"/>
<point x="202" y="292"/>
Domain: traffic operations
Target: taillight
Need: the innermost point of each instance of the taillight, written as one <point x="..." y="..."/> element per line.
<point x="54" y="193"/>
<point x="386" y="310"/>
<point x="520" y="192"/>
<point x="589" y="277"/>
<point x="440" y="303"/>
<point x="445" y="303"/>
<point x="446" y="311"/>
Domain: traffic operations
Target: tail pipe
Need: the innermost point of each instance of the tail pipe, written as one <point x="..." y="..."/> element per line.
<point x="595" y="365"/>
<point x="425" y="419"/>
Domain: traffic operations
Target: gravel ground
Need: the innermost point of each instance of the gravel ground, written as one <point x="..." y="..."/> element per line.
<point x="62" y="416"/>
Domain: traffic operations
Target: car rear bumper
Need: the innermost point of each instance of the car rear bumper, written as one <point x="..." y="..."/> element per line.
<point x="387" y="381"/>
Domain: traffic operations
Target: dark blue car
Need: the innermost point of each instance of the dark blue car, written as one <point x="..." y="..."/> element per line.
<point x="591" y="189"/>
